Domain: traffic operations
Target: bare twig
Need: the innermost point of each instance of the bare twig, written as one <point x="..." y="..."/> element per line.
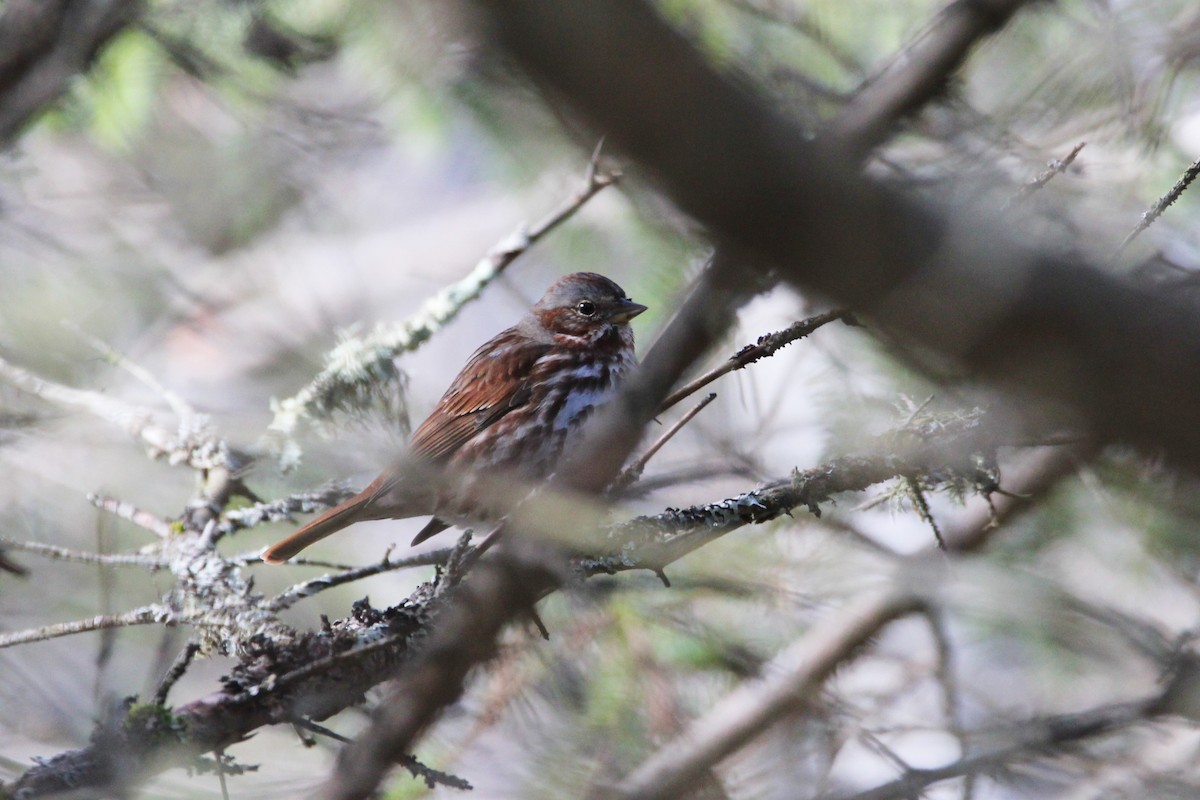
<point x="175" y="672"/>
<point x="145" y="615"/>
<point x="128" y="511"/>
<point x="432" y="777"/>
<point x="194" y="445"/>
<point x="84" y="557"/>
<point x="1053" y="169"/>
<point x="1162" y="205"/>
<point x="182" y="409"/>
<point x="767" y="345"/>
<point x="634" y="471"/>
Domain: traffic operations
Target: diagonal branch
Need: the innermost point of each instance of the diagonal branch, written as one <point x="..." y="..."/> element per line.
<point x="912" y="80"/>
<point x="792" y="678"/>
<point x="767" y="345"/>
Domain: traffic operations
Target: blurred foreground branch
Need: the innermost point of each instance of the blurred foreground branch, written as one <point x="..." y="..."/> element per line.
<point x="1103" y="352"/>
<point x="44" y="44"/>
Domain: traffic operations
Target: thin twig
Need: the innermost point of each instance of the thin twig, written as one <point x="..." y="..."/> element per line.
<point x="138" y="616"/>
<point x="128" y="511"/>
<point x="300" y="591"/>
<point x="634" y="471"/>
<point x="767" y="345"/>
<point x="175" y="672"/>
<point x="220" y="759"/>
<point x="1037" y="737"/>
<point x="431" y="776"/>
<point x="183" y="410"/>
<point x="254" y="558"/>
<point x="1053" y="169"/>
<point x="83" y="556"/>
<point x="193" y="445"/>
<point x="921" y="504"/>
<point x="1162" y="205"/>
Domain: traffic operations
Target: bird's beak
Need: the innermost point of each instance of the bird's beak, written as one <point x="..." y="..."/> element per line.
<point x="627" y="311"/>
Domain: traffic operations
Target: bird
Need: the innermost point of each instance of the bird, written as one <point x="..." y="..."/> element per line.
<point x="516" y="406"/>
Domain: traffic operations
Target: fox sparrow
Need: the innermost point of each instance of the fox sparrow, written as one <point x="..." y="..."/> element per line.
<point x="516" y="405"/>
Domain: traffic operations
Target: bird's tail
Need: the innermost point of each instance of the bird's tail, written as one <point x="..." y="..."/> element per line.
<point x="331" y="521"/>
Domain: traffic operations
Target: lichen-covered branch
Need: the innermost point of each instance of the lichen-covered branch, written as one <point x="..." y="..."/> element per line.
<point x="285" y="675"/>
<point x="138" y="616"/>
<point x="67" y="554"/>
<point x="955" y="456"/>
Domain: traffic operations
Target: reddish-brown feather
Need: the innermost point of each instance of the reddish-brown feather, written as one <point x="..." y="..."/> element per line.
<point x="485" y="390"/>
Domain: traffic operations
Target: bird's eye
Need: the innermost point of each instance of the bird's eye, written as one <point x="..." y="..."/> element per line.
<point x="586" y="307"/>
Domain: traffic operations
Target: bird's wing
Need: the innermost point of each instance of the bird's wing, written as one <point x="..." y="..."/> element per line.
<point x="493" y="383"/>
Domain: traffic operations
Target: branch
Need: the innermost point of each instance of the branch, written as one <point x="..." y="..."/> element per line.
<point x="83" y="557"/>
<point x="954" y="456"/>
<point x="792" y="677"/>
<point x="1164" y="202"/>
<point x="301" y="591"/>
<point x="1053" y="169"/>
<point x="194" y="444"/>
<point x="44" y="44"/>
<point x="284" y="676"/>
<point x="139" y="616"/>
<point x="917" y="76"/>
<point x="1038" y="737"/>
<point x="767" y="345"/>
<point x="282" y="510"/>
<point x="128" y="511"/>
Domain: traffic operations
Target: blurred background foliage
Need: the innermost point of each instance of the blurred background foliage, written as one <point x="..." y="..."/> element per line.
<point x="236" y="182"/>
